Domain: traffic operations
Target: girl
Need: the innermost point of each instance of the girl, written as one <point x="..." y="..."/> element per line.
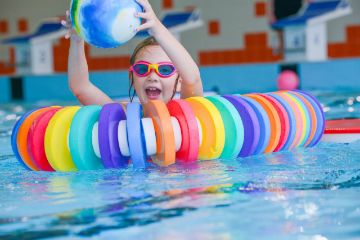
<point x="159" y="65"/>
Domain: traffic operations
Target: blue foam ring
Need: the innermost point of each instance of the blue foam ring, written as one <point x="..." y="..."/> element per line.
<point x="135" y="135"/>
<point x="251" y="124"/>
<point x="308" y="119"/>
<point x="110" y="116"/>
<point x="264" y="124"/>
<point x="320" y="128"/>
<point x="292" y="119"/>
<point x="14" y="136"/>
<point x="80" y="138"/>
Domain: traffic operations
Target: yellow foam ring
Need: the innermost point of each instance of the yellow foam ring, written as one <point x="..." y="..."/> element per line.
<point x="56" y="140"/>
<point x="275" y="125"/>
<point x="303" y="119"/>
<point x="213" y="130"/>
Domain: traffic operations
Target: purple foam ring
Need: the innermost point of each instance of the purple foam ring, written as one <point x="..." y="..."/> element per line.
<point x="110" y="116"/>
<point x="320" y="128"/>
<point x="251" y="124"/>
<point x="135" y="135"/>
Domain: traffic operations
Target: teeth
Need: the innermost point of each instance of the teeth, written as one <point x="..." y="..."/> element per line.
<point x="152" y="89"/>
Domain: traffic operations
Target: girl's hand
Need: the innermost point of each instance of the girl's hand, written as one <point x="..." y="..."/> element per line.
<point x="71" y="33"/>
<point x="152" y="23"/>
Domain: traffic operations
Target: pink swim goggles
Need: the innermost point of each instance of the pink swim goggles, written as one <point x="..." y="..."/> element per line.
<point x="162" y="69"/>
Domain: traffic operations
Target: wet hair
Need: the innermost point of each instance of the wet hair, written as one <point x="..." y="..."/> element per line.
<point x="150" y="41"/>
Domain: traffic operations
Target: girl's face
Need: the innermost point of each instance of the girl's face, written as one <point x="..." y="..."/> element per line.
<point x="152" y="86"/>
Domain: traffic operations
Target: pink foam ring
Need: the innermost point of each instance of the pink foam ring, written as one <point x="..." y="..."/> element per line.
<point x="284" y="120"/>
<point x="299" y="124"/>
<point x="181" y="110"/>
<point x="288" y="80"/>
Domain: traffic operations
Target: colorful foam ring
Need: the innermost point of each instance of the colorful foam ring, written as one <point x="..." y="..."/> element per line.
<point x="312" y="116"/>
<point x="264" y="124"/>
<point x="135" y="135"/>
<point x="181" y="110"/>
<point x="80" y="138"/>
<point x="165" y="139"/>
<point x="110" y="116"/>
<point x="320" y="116"/>
<point x="14" y="135"/>
<point x="298" y="107"/>
<point x="234" y="128"/>
<point x="213" y="131"/>
<point x="291" y="117"/>
<point x="275" y="124"/>
<point x="284" y="120"/>
<point x="36" y="137"/>
<point x="299" y="124"/>
<point x="56" y="140"/>
<point x="250" y="122"/>
<point x="22" y="137"/>
<point x="305" y="114"/>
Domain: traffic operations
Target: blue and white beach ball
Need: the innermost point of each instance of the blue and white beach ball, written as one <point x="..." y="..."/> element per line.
<point x="105" y="23"/>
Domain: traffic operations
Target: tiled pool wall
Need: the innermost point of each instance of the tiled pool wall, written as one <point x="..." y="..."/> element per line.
<point x="329" y="75"/>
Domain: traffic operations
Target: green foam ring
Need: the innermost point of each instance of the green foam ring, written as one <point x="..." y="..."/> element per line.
<point x="80" y="138"/>
<point x="234" y="128"/>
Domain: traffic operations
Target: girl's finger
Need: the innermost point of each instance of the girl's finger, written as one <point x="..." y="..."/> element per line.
<point x="144" y="26"/>
<point x="142" y="15"/>
<point x="145" y="4"/>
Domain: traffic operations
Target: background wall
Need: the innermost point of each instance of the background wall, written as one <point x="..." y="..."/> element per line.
<point x="234" y="26"/>
<point x="236" y="49"/>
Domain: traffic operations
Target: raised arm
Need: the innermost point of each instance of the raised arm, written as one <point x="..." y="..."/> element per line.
<point x="191" y="84"/>
<point x="78" y="72"/>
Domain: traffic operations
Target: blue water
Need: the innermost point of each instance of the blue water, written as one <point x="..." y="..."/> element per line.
<point x="302" y="194"/>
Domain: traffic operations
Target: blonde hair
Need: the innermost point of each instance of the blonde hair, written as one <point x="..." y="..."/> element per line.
<point x="150" y="41"/>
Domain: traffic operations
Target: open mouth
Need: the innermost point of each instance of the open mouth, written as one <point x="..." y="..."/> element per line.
<point x="152" y="93"/>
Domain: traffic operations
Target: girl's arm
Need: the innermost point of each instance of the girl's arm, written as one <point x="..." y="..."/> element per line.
<point x="191" y="84"/>
<point x="78" y="73"/>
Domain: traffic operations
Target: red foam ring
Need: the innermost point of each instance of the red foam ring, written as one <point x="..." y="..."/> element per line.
<point x="36" y="140"/>
<point x="182" y="111"/>
<point x="284" y="120"/>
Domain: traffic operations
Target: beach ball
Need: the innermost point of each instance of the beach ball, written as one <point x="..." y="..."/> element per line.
<point x="105" y="23"/>
<point x="288" y="80"/>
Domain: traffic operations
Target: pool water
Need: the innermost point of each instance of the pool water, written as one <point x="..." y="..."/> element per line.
<point x="301" y="194"/>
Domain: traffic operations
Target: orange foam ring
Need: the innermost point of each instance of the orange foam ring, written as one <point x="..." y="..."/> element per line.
<point x="165" y="140"/>
<point x="275" y="124"/>
<point x="21" y="139"/>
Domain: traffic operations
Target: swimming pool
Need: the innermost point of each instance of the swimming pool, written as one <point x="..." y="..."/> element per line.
<point x="303" y="194"/>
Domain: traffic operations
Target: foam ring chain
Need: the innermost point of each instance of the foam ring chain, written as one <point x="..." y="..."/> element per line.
<point x="230" y="126"/>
